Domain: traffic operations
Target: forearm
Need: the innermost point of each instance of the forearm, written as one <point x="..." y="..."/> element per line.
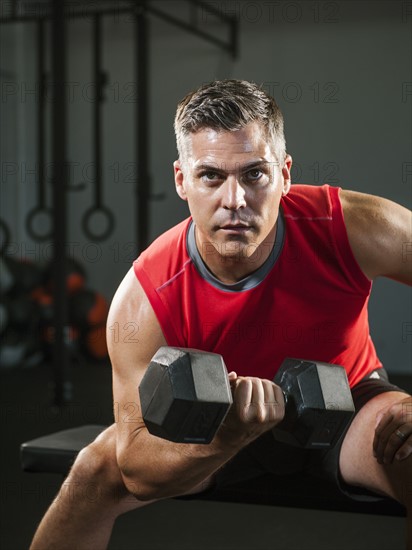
<point x="154" y="468"/>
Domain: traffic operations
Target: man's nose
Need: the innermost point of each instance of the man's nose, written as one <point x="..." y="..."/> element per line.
<point x="233" y="194"/>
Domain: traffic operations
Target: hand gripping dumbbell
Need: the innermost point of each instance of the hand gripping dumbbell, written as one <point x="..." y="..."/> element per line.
<point x="185" y="395"/>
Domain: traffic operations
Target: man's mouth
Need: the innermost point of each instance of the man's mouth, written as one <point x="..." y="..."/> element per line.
<point x="239" y="227"/>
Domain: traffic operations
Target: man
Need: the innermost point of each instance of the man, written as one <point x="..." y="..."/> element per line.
<point x="260" y="271"/>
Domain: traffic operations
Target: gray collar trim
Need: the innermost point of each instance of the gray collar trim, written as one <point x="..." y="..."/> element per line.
<point x="251" y="280"/>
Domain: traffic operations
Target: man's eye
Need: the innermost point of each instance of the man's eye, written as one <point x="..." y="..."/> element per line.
<point x="210" y="176"/>
<point x="254" y="174"/>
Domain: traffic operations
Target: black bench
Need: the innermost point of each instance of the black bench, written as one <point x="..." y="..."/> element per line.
<point x="55" y="453"/>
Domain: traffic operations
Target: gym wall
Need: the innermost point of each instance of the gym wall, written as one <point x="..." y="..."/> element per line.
<point x="340" y="71"/>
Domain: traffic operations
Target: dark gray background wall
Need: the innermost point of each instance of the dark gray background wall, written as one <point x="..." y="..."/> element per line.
<point x="340" y="70"/>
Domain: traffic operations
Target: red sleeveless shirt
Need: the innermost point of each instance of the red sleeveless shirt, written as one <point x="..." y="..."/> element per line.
<point x="311" y="303"/>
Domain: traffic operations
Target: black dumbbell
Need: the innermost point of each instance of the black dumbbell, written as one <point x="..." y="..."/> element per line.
<point x="318" y="403"/>
<point x="185" y="395"/>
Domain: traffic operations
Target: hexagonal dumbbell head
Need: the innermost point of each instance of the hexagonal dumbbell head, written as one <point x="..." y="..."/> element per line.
<point x="319" y="403"/>
<point x="185" y="395"/>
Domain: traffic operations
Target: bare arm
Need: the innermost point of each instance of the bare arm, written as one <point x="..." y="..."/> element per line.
<point x="152" y="467"/>
<point x="380" y="234"/>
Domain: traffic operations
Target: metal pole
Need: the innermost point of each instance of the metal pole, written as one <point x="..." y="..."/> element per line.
<point x="142" y="126"/>
<point x="97" y="44"/>
<point x="59" y="131"/>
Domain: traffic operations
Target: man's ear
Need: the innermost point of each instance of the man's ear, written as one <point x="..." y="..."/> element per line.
<point x="179" y="180"/>
<point x="286" y="175"/>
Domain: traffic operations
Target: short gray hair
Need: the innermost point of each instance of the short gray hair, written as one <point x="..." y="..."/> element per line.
<point x="228" y="105"/>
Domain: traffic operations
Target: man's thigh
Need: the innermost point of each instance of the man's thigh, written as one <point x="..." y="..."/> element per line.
<point x="357" y="463"/>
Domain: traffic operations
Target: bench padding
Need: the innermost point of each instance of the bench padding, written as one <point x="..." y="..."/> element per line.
<point x="55" y="453"/>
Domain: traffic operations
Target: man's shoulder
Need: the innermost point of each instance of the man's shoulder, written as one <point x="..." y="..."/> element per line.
<point x="169" y="239"/>
<point x="309" y="190"/>
<point x="165" y="257"/>
<point x="305" y="200"/>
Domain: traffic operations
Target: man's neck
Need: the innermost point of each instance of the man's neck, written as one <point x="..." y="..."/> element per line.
<point x="231" y="269"/>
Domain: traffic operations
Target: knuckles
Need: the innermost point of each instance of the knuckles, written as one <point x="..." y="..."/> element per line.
<point x="258" y="403"/>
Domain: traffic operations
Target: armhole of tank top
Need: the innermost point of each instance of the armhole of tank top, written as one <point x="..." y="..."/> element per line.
<point x="342" y="245"/>
<point x="159" y="310"/>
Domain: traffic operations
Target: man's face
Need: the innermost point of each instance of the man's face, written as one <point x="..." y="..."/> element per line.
<point x="233" y="184"/>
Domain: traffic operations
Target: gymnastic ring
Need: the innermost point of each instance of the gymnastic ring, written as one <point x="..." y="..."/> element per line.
<point x="87" y="219"/>
<point x="34" y="212"/>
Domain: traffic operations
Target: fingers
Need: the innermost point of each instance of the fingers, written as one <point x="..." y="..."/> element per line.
<point x="244" y="398"/>
<point x="258" y="400"/>
<point x="393" y="436"/>
<point x="275" y="401"/>
<point x="392" y="442"/>
<point x="405" y="435"/>
<point x="382" y="419"/>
